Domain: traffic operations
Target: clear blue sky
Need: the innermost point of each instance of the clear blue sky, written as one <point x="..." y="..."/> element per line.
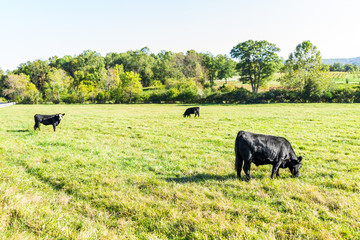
<point x="39" y="29"/>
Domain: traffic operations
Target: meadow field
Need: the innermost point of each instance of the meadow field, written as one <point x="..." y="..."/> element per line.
<point x="145" y="172"/>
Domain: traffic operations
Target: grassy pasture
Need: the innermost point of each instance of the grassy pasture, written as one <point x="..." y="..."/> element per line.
<point x="145" y="172"/>
<point x="345" y="78"/>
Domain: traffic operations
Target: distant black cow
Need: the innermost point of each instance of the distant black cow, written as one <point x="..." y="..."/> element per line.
<point x="48" y="120"/>
<point x="193" y="110"/>
<point x="265" y="149"/>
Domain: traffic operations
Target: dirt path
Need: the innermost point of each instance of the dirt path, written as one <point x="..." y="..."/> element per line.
<point x="6" y="104"/>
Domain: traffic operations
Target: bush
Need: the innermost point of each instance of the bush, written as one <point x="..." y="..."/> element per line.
<point x="70" y="98"/>
<point x="339" y="95"/>
<point x="357" y="95"/>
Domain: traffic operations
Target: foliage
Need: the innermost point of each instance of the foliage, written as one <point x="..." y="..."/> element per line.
<point x="15" y="86"/>
<point x="304" y="71"/>
<point x="131" y="86"/>
<point x="31" y="94"/>
<point x="57" y="86"/>
<point x="258" y="61"/>
<point x="143" y="77"/>
<point x="36" y="71"/>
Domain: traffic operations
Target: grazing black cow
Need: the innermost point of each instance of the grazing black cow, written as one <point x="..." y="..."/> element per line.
<point x="264" y="149"/>
<point x="193" y="110"/>
<point x="48" y="120"/>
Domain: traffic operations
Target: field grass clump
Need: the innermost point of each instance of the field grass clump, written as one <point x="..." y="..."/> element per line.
<point x="145" y="172"/>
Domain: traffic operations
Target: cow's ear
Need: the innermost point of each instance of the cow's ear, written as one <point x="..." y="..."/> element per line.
<point x="63" y="114"/>
<point x="300" y="159"/>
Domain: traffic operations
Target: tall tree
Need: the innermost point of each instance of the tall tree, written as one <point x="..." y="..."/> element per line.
<point x="58" y="83"/>
<point x="349" y="67"/>
<point x="15" y="86"/>
<point x="131" y="85"/>
<point x="225" y="66"/>
<point x="210" y="62"/>
<point x="36" y="70"/>
<point x="303" y="70"/>
<point x="258" y="60"/>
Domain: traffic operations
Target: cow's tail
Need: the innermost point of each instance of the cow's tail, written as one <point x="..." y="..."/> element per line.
<point x="238" y="158"/>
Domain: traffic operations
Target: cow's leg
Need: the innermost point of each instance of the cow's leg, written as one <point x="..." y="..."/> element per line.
<point x="275" y="169"/>
<point x="247" y="162"/>
<point x="247" y="169"/>
<point x="238" y="163"/>
<point x="277" y="173"/>
<point x="54" y="126"/>
<point x="37" y="125"/>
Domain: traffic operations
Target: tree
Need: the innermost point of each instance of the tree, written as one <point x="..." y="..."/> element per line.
<point x="15" y="86"/>
<point x="356" y="67"/>
<point x="210" y="62"/>
<point x="193" y="67"/>
<point x="31" y="94"/>
<point x="336" y="67"/>
<point x="131" y="85"/>
<point x="37" y="72"/>
<point x="258" y="61"/>
<point x="303" y="70"/>
<point x="349" y="67"/>
<point x="58" y="83"/>
<point x="163" y="68"/>
<point x="225" y="67"/>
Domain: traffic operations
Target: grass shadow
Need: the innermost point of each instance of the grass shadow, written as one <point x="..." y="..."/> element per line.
<point x="19" y="130"/>
<point x="202" y="177"/>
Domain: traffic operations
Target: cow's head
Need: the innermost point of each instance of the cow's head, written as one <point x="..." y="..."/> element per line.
<point x="295" y="166"/>
<point x="60" y="115"/>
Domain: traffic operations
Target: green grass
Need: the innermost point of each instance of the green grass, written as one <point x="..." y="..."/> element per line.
<point x="145" y="172"/>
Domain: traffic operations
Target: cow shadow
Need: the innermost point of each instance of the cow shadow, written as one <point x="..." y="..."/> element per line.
<point x="18" y="130"/>
<point x="201" y="177"/>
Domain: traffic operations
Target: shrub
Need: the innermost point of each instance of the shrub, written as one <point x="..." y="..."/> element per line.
<point x="339" y="95"/>
<point x="70" y="98"/>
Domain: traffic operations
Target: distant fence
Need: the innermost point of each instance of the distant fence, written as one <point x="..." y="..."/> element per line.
<point x="6" y="104"/>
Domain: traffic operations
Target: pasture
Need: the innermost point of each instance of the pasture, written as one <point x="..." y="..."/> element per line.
<point x="145" y="172"/>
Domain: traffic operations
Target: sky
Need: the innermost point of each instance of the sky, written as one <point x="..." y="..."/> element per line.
<point x="40" y="29"/>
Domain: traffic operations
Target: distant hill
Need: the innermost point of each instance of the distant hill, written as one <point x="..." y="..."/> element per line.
<point x="342" y="61"/>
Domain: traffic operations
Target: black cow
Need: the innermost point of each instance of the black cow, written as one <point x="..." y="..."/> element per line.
<point x="48" y="120"/>
<point x="193" y="110"/>
<point x="265" y="149"/>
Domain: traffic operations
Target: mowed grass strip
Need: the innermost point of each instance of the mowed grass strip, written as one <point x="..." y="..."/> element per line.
<point x="145" y="172"/>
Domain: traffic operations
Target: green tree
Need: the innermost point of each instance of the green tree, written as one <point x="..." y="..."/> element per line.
<point x="225" y="67"/>
<point x="336" y="67"/>
<point x="15" y="86"/>
<point x="31" y="94"/>
<point x="2" y="77"/>
<point x="164" y="68"/>
<point x="303" y="70"/>
<point x="193" y="68"/>
<point x="349" y="67"/>
<point x="258" y="61"/>
<point x="139" y="61"/>
<point x="131" y="85"/>
<point x="58" y="84"/>
<point x="211" y="64"/>
<point x="356" y="67"/>
<point x="37" y="72"/>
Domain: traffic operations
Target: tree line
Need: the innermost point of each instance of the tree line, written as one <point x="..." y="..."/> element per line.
<point x="143" y="77"/>
<point x="117" y="77"/>
<point x="338" y="67"/>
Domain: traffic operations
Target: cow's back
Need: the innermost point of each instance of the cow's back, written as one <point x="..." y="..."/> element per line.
<point x="266" y="146"/>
